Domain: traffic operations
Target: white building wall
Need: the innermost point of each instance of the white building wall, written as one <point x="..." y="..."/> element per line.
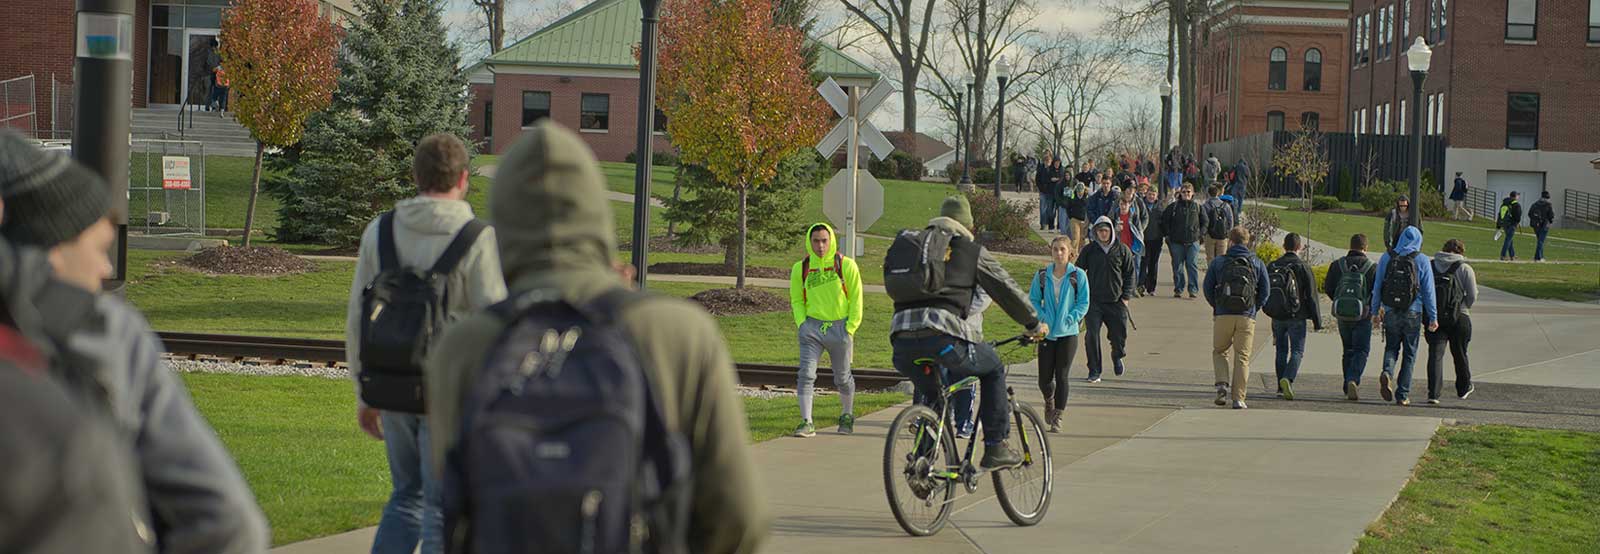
<point x="1562" y="170"/>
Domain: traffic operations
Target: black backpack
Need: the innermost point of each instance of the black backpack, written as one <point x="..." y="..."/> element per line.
<point x="931" y="268"/>
<point x="1237" y="288"/>
<point x="1217" y="223"/>
<point x="1450" y="294"/>
<point x="563" y="445"/>
<point x="1284" y="300"/>
<point x="402" y="314"/>
<point x="1400" y="282"/>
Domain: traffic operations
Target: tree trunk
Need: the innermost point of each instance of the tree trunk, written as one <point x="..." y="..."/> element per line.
<point x="908" y="98"/>
<point x="672" y="226"/>
<point x="744" y="192"/>
<point x="255" y="190"/>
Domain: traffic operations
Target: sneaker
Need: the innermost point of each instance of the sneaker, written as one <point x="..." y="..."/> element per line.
<point x="1433" y="401"/>
<point x="999" y="456"/>
<point x="1350" y="391"/>
<point x="847" y="424"/>
<point x="1117" y="367"/>
<point x="1470" y="390"/>
<point x="806" y="430"/>
<point x="1192" y="295"/>
<point x="1403" y="402"/>
<point x="1177" y="294"/>
<point x="1385" y="388"/>
<point x="1093" y="379"/>
<point x="1285" y="387"/>
<point x="1055" y="422"/>
<point x="1239" y="405"/>
<point x="1222" y="394"/>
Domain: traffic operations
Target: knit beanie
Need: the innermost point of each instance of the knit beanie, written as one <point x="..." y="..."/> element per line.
<point x="48" y="198"/>
<point x="956" y="207"/>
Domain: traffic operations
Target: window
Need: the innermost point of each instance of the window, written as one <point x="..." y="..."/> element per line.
<point x="1441" y="113"/>
<point x="1403" y="121"/>
<point x="535" y="106"/>
<point x="1381" y="127"/>
<point x="1405" y="22"/>
<point x="1314" y="69"/>
<point x="1385" y="31"/>
<point x="596" y="112"/>
<point x="1433" y="116"/>
<point x="1363" y="38"/>
<point x="1521" y="19"/>
<point x="661" y="121"/>
<point x="1594" y="21"/>
<point x="1310" y="120"/>
<point x="1522" y="121"/>
<point x="1274" y="121"/>
<point x="1278" y="69"/>
<point x="488" y="119"/>
<point x="1438" y="19"/>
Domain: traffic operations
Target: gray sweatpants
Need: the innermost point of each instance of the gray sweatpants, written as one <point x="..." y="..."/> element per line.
<point x="815" y="337"/>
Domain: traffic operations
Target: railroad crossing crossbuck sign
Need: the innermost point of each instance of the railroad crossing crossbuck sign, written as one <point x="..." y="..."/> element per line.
<point x="853" y="199"/>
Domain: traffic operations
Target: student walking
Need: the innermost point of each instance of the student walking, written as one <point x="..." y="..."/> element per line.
<point x="1399" y="218"/>
<point x="556" y="245"/>
<point x="1153" y="239"/>
<point x="1236" y="188"/>
<point x="1456" y="290"/>
<point x="1292" y="301"/>
<point x="1076" y="198"/>
<point x="1103" y="201"/>
<point x="1510" y="219"/>
<point x="1060" y="294"/>
<point x="1404" y="300"/>
<point x="1109" y="266"/>
<point x="1540" y="216"/>
<point x="1350" y="283"/>
<point x="1213" y="169"/>
<point x="1218" y="217"/>
<point x="1236" y="287"/>
<point x="1130" y="219"/>
<point x="1181" y="224"/>
<point x="1046" y="185"/>
<point x="1458" y="199"/>
<point x="825" y="297"/>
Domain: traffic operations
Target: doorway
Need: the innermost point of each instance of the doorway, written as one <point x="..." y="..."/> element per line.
<point x="201" y="57"/>
<point x="180" y="44"/>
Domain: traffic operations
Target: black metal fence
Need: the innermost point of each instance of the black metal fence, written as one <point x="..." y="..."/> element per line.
<point x="1580" y="209"/>
<point x="1353" y="160"/>
<point x="1483" y="202"/>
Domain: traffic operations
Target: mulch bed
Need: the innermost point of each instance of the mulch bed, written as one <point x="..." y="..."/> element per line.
<point x="1017" y="246"/>
<point x="665" y="244"/>
<point x="745" y="301"/>
<point x="698" y="268"/>
<point x="255" y="260"/>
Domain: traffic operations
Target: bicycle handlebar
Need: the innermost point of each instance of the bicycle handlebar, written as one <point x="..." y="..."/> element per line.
<point x="1024" y="339"/>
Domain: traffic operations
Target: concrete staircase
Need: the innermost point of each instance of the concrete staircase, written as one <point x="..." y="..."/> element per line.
<point x="221" y="134"/>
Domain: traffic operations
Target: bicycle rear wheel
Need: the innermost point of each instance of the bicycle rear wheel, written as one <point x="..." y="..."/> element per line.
<point x="1024" y="490"/>
<point x="919" y="499"/>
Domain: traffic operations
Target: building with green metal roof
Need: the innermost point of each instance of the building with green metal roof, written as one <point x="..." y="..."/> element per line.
<point x="580" y="71"/>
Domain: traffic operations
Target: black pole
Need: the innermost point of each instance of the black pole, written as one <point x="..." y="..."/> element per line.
<point x="966" y="163"/>
<point x="1166" y="144"/>
<point x="999" y="135"/>
<point x="103" y="97"/>
<point x="642" y="171"/>
<point x="1417" y="135"/>
<point x="959" y="129"/>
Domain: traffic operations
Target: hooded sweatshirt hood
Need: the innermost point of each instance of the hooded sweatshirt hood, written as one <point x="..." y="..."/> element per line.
<point x="1103" y="222"/>
<point x="1410" y="241"/>
<point x="549" y="209"/>
<point x="826" y="259"/>
<point x="431" y="216"/>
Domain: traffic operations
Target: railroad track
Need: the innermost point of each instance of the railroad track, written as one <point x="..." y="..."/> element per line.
<point x="278" y="350"/>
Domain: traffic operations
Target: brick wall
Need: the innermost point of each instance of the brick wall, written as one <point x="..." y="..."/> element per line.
<point x="1239" y="106"/>
<point x="612" y="145"/>
<point x="481" y="96"/>
<point x="38" y="40"/>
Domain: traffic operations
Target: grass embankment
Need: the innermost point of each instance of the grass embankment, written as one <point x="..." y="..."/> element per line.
<point x="1494" y="489"/>
<point x="315" y="474"/>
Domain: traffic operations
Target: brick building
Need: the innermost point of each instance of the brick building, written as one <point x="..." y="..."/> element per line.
<point x="1271" y="65"/>
<point x="1513" y="85"/>
<point x="580" y="71"/>
<point x="169" y="39"/>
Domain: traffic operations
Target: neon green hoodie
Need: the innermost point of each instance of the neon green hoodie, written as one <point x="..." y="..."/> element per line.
<point x="818" y="293"/>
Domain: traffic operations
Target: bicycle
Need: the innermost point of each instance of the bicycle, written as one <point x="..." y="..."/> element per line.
<point x="913" y="474"/>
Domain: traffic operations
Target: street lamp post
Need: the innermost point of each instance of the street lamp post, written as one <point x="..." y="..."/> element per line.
<point x="966" y="146"/>
<point x="644" y="149"/>
<point x="104" y="90"/>
<point x="1166" y="134"/>
<point x="1003" y="74"/>
<point x="1418" y="58"/>
<point x="959" y="131"/>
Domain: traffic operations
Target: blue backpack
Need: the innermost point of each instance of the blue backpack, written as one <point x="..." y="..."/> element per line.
<point x="563" y="446"/>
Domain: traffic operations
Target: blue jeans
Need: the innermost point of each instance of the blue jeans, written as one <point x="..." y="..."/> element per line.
<point x="1401" y="331"/>
<point x="412" y="513"/>
<point x="1509" y="248"/>
<point x="1185" y="257"/>
<point x="1290" y="338"/>
<point x="981" y="361"/>
<point x="1047" y="210"/>
<point x="1357" y="339"/>
<point x="1538" y="251"/>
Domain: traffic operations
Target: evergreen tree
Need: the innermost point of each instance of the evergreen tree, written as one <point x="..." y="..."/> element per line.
<point x="709" y="210"/>
<point x="399" y="81"/>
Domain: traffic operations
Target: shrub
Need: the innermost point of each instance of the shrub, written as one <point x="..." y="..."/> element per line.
<point x="1268" y="250"/>
<point x="1320" y="272"/>
<point x="983" y="175"/>
<point x="899" y="165"/>
<point x="1261" y="222"/>
<point x="1005" y="220"/>
<point x="1347" y="186"/>
<point x="1380" y="197"/>
<point x="659" y="159"/>
<point x="1325" y="203"/>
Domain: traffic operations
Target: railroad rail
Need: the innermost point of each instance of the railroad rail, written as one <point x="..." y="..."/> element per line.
<point x="288" y="351"/>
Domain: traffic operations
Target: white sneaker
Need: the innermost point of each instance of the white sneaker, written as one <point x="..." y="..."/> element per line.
<point x="1239" y="405"/>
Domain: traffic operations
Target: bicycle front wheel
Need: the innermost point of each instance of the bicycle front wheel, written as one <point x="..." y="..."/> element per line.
<point x="1024" y="490"/>
<point x="915" y="469"/>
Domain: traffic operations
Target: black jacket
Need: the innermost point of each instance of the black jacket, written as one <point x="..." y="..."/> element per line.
<point x="1042" y="180"/>
<point x="1330" y="285"/>
<point x="1153" y="233"/>
<point x="1181" y="222"/>
<point x="1541" y="215"/>
<point x="1110" y="271"/>
<point x="1306" y="285"/>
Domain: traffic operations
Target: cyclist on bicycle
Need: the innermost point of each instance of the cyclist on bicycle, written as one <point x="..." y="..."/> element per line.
<point x="934" y="327"/>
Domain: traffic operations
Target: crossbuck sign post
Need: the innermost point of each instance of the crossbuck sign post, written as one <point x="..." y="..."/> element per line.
<point x="853" y="199"/>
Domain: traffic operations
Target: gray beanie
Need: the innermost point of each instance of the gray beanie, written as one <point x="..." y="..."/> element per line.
<point x="48" y="198"/>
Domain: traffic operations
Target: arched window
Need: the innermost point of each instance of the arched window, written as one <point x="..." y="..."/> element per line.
<point x="1274" y="121"/>
<point x="1310" y="120"/>
<point x="1313" y="69"/>
<point x="1278" y="69"/>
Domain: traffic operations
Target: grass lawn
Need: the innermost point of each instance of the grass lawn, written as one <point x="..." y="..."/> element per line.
<point x="315" y="474"/>
<point x="1497" y="489"/>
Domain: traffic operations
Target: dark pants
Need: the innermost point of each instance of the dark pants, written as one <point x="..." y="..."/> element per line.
<point x="1047" y="211"/>
<point x="1509" y="248"/>
<point x="1150" y="266"/>
<point x="1457" y="335"/>
<point x="1400" y="332"/>
<point x="1357" y="339"/>
<point x="219" y="98"/>
<point x="1115" y="317"/>
<point x="1289" y="337"/>
<point x="1538" y="251"/>
<point x="1055" y="361"/>
<point x="980" y="361"/>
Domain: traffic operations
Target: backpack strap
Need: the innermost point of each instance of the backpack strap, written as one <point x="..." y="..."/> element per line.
<point x="388" y="259"/>
<point x="463" y="241"/>
<point x="838" y="267"/>
<point x="1454" y="267"/>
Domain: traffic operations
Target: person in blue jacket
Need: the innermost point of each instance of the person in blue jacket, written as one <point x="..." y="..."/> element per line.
<point x="1235" y="296"/>
<point x="1403" y="323"/>
<point x="1060" y="293"/>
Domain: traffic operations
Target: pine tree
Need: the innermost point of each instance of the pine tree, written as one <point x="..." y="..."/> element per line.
<point x="399" y="81"/>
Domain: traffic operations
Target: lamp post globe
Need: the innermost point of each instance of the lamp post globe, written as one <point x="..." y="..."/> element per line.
<point x="1418" y="58"/>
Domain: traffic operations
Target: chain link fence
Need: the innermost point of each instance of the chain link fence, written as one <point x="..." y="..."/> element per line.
<point x="19" y="108"/>
<point x="167" y="187"/>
